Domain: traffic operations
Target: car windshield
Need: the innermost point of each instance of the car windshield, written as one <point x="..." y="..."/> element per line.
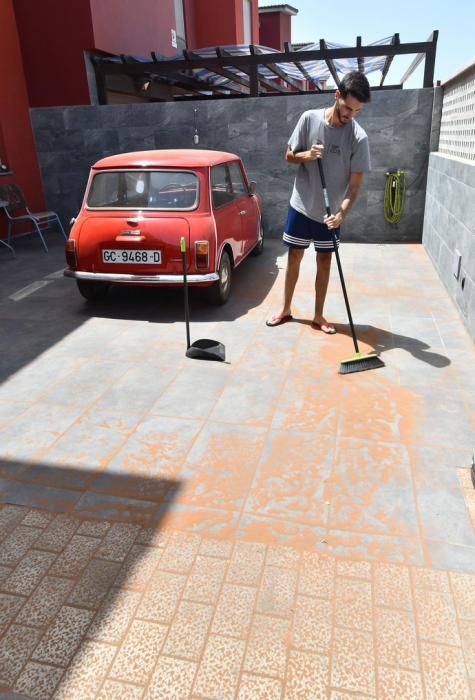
<point x="175" y="190"/>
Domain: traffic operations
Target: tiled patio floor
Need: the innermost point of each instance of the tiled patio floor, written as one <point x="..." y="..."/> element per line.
<point x="123" y="611"/>
<point x="264" y="528"/>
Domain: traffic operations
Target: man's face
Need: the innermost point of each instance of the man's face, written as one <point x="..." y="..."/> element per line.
<point x="346" y="108"/>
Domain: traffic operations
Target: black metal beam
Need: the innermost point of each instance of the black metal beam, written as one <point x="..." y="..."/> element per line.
<point x="181" y="79"/>
<point x="430" y="61"/>
<point x="254" y="69"/>
<point x="186" y="82"/>
<point x="360" y="58"/>
<point x="329" y="62"/>
<point x="238" y="81"/>
<point x="276" y="70"/>
<point x="180" y="73"/>
<point x="254" y="75"/>
<point x="429" y="56"/>
<point x="184" y="98"/>
<point x="301" y="67"/>
<point x="389" y="59"/>
<point x="154" y="92"/>
<point x="376" y="88"/>
<point x="241" y="79"/>
<point x="324" y="54"/>
<point x="251" y="71"/>
<point x="100" y="82"/>
<point x="331" y="91"/>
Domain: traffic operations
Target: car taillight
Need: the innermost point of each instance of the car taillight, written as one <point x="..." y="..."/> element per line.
<point x="71" y="257"/>
<point x="202" y="255"/>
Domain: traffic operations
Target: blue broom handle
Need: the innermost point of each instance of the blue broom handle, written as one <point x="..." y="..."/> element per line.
<point x="335" y="246"/>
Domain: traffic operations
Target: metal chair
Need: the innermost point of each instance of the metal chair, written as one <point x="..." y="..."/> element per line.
<point x="17" y="212"/>
<point x="2" y="242"/>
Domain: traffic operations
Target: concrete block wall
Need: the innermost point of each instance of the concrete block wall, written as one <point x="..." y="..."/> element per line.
<point x="398" y="123"/>
<point x="449" y="226"/>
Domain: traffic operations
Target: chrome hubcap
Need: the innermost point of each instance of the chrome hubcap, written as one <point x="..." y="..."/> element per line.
<point x="224" y="276"/>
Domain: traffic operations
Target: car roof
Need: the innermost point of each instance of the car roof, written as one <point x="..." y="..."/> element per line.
<point x="181" y="157"/>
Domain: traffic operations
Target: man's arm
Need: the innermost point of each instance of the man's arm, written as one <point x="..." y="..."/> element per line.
<point x="351" y="195"/>
<point x="315" y="152"/>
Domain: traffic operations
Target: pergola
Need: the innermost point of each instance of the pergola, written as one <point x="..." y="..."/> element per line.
<point x="254" y="71"/>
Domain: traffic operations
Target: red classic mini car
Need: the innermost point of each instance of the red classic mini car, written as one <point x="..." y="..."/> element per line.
<point x="136" y="208"/>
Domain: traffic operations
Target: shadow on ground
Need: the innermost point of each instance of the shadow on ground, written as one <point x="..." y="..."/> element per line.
<point x="250" y="286"/>
<point x="37" y="321"/>
<point x="87" y="492"/>
<point x="382" y="340"/>
<point x="100" y="544"/>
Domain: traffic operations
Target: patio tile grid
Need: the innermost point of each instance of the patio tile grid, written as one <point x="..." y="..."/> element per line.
<point x="382" y="494"/>
<point x="117" y="610"/>
<point x="275" y="536"/>
<point x="278" y="447"/>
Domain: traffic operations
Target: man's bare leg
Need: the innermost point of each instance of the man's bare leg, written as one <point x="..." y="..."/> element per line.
<point x="324" y="261"/>
<point x="294" y="258"/>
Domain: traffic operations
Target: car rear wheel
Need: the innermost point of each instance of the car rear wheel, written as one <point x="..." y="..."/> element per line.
<point x="219" y="293"/>
<point x="92" y="291"/>
<point x="259" y="247"/>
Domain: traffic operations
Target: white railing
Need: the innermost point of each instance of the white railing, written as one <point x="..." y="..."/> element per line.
<point x="457" y="128"/>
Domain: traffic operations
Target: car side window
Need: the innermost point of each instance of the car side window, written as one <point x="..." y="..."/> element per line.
<point x="237" y="180"/>
<point x="221" y="186"/>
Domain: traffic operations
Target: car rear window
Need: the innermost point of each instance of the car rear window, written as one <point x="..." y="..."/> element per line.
<point x="175" y="190"/>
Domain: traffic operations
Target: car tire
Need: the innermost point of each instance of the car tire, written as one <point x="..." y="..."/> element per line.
<point x="259" y="247"/>
<point x="218" y="293"/>
<point x="92" y="291"/>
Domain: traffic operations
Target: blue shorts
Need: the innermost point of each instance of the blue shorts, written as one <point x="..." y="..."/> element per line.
<point x="299" y="231"/>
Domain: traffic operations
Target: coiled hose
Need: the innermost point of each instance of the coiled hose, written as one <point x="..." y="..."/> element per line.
<point x="394" y="194"/>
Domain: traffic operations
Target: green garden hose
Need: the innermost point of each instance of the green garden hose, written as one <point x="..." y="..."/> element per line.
<point x="394" y="194"/>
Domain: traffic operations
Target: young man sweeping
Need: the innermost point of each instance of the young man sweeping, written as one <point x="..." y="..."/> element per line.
<point x="334" y="135"/>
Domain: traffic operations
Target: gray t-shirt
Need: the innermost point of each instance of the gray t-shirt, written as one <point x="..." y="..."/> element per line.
<point x="346" y="151"/>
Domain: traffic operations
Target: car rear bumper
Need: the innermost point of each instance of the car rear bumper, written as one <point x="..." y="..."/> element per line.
<point x="114" y="278"/>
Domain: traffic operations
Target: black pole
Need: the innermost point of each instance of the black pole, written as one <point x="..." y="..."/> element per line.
<point x="185" y="290"/>
<point x="430" y="60"/>
<point x="335" y="247"/>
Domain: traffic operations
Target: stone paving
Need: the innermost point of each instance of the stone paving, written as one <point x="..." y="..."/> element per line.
<point x="115" y="610"/>
<point x="263" y="528"/>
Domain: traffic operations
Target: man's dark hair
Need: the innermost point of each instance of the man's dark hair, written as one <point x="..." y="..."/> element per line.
<point x="355" y="84"/>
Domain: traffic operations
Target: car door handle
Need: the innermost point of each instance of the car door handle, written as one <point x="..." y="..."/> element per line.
<point x="242" y="212"/>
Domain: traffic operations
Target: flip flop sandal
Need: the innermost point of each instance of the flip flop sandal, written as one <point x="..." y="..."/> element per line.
<point x="278" y="320"/>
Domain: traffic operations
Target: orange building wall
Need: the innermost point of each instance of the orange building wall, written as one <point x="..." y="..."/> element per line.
<point x="190" y="23"/>
<point x="53" y="35"/>
<point x="134" y="27"/>
<point x="218" y="22"/>
<point x="275" y="29"/>
<point x="255" y="22"/>
<point x="18" y="143"/>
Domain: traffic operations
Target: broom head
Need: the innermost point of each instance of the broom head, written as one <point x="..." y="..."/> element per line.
<point x="360" y="363"/>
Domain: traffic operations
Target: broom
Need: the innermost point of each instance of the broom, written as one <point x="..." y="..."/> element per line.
<point x="359" y="362"/>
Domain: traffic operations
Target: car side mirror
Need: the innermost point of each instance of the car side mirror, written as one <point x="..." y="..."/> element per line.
<point x="252" y="187"/>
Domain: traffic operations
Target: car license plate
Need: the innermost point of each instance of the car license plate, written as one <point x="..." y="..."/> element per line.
<point x="134" y="257"/>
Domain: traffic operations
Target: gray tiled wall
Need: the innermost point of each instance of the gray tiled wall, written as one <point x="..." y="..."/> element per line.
<point x="449" y="226"/>
<point x="398" y="122"/>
